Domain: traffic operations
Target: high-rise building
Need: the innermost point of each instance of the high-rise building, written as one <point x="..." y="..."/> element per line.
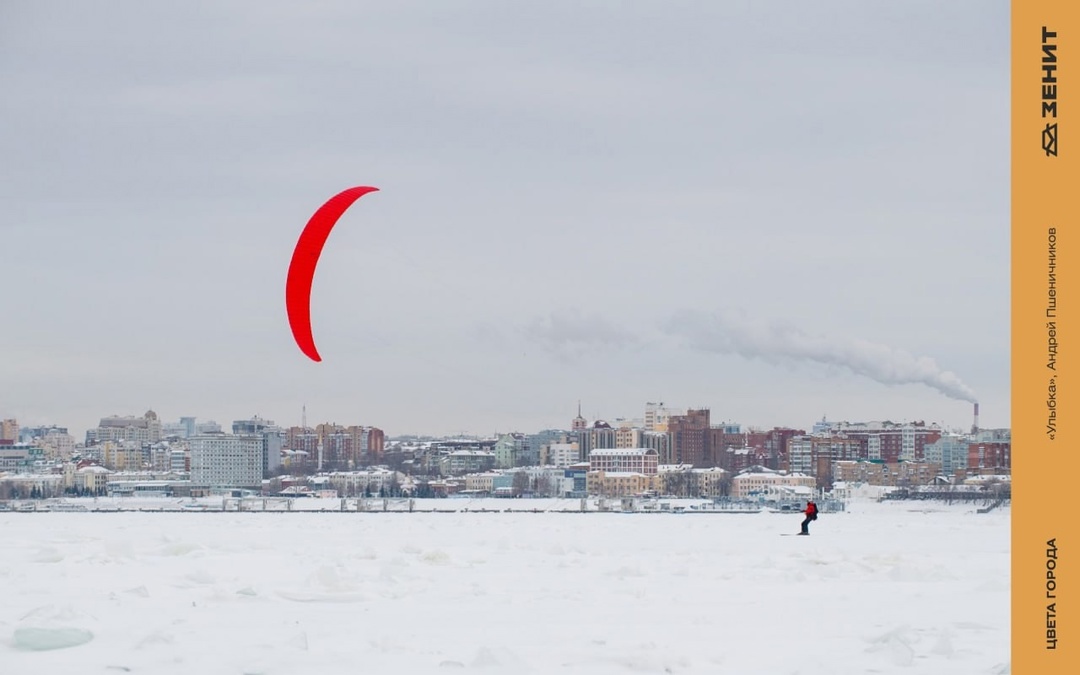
<point x="560" y="454"/>
<point x="657" y="416"/>
<point x="776" y="442"/>
<point x="813" y="455"/>
<point x="369" y="444"/>
<point x="508" y="450"/>
<point x="56" y="441"/>
<point x="690" y="438"/>
<point x="9" y="430"/>
<point x="950" y="451"/>
<point x="728" y="445"/>
<point x="343" y="448"/>
<point x="173" y="430"/>
<point x="273" y="443"/>
<point x="660" y="441"/>
<point x="602" y="436"/>
<point x="227" y="460"/>
<point x="138" y="430"/>
<point x="990" y="455"/>
<point x="534" y="444"/>
<point x="255" y="425"/>
<point x="179" y="461"/>
<point x="208" y="427"/>
<point x="890" y="441"/>
<point x="122" y="455"/>
<point x="627" y="436"/>
<point x="273" y="439"/>
<point x="303" y="444"/>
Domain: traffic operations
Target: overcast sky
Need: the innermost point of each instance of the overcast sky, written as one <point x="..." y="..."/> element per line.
<point x="778" y="210"/>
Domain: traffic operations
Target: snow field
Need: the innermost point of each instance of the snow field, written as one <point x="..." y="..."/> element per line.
<point x="883" y="588"/>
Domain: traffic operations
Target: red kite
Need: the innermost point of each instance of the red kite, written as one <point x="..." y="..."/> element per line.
<point x="302" y="268"/>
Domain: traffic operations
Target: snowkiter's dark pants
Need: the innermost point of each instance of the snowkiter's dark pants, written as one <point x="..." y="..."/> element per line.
<point x="805" y="524"/>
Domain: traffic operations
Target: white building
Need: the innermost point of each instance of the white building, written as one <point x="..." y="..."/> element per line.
<point x="137" y="430"/>
<point x="801" y="454"/>
<point x="657" y="416"/>
<point x="633" y="460"/>
<point x="210" y="427"/>
<point x="757" y="484"/>
<point x="178" y="460"/>
<point x="58" y="444"/>
<point x="481" y="482"/>
<point x="562" y="454"/>
<point x="361" y="483"/>
<point x="227" y="460"/>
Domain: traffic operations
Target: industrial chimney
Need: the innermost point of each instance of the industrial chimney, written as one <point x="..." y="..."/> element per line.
<point x="975" y="425"/>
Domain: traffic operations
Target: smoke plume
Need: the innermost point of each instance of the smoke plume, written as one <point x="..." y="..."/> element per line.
<point x="570" y="333"/>
<point x="775" y="342"/>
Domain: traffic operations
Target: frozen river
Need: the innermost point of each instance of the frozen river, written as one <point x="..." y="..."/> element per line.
<point x="882" y="588"/>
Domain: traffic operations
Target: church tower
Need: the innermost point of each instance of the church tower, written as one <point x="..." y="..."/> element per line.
<point x="579" y="422"/>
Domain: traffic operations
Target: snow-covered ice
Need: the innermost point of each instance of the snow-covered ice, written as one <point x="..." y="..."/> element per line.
<point x="907" y="587"/>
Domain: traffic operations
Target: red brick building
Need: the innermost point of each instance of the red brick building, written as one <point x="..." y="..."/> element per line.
<point x="889" y="441"/>
<point x="776" y="442"/>
<point x="991" y="455"/>
<point x="690" y="438"/>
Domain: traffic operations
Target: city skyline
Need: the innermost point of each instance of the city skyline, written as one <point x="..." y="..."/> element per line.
<point x="79" y="433"/>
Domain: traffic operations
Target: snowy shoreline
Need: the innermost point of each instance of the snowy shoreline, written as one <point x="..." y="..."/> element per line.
<point x="592" y="505"/>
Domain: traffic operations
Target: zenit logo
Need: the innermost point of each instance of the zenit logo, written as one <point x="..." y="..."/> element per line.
<point x="1049" y="91"/>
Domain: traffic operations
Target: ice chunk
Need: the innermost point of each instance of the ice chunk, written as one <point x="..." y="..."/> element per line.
<point x="44" y="639"/>
<point x="943" y="646"/>
<point x="48" y="555"/>
<point x="200" y="577"/>
<point x="300" y="642"/>
<point x="179" y="549"/>
<point x="155" y="639"/>
<point x="436" y="558"/>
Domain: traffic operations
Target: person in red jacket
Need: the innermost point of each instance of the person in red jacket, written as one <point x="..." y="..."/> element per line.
<point x="811" y="514"/>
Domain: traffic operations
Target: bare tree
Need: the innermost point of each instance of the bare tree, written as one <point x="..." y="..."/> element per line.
<point x="678" y="483"/>
<point x="544" y="485"/>
<point x="723" y="484"/>
<point x="520" y="484"/>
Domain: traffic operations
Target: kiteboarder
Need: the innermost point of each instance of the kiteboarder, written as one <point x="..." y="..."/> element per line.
<point x="811" y="514"/>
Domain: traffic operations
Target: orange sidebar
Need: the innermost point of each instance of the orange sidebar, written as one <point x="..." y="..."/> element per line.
<point x="1045" y="38"/>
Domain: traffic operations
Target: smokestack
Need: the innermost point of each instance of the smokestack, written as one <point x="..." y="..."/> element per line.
<point x="975" y="425"/>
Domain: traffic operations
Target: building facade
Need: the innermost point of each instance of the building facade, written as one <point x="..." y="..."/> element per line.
<point x="768" y="484"/>
<point x="227" y="460"/>
<point x="138" y="430"/>
<point x="951" y="452"/>
<point x="690" y="438"/>
<point x="635" y="460"/>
